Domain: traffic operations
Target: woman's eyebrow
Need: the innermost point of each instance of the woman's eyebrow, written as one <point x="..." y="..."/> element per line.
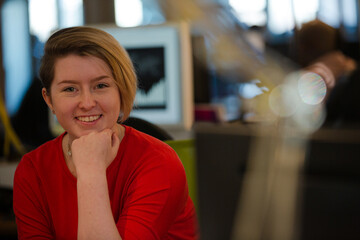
<point x="100" y="78"/>
<point x="69" y="81"/>
<point x="66" y="82"/>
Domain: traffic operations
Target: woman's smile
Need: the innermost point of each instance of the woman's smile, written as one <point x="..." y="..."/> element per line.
<point x="88" y="119"/>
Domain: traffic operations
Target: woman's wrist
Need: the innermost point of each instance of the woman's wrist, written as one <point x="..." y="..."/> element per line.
<point x="91" y="173"/>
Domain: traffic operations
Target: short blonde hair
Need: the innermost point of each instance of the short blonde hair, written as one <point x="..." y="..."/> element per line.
<point x="89" y="41"/>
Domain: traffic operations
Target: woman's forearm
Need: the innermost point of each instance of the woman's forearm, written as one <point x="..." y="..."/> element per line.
<point x="95" y="219"/>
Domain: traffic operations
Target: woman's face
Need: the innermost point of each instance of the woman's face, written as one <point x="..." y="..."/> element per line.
<point x="83" y="95"/>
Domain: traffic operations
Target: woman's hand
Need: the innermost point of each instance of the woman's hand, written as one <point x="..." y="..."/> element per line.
<point x="94" y="152"/>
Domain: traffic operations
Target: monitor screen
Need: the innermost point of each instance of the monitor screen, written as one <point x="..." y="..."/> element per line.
<point x="150" y="68"/>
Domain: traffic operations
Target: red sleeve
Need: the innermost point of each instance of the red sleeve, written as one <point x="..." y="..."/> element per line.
<point x="156" y="195"/>
<point x="31" y="218"/>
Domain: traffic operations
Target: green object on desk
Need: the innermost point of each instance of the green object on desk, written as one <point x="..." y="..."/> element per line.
<point x="185" y="149"/>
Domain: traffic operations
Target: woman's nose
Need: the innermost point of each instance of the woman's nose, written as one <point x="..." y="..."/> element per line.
<point x="87" y="100"/>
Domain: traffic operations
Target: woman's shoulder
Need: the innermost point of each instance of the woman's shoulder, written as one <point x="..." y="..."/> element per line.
<point x="144" y="141"/>
<point x="144" y="147"/>
<point x="148" y="154"/>
<point x="49" y="147"/>
<point x="43" y="155"/>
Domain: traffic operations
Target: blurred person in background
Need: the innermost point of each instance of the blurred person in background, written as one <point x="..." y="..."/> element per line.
<point x="317" y="49"/>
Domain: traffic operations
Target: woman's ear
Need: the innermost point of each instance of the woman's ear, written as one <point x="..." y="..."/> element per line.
<point x="47" y="99"/>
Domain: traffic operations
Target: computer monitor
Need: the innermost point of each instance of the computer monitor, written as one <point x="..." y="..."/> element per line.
<point x="163" y="60"/>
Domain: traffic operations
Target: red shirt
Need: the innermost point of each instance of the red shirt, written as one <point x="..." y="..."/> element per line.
<point x="147" y="188"/>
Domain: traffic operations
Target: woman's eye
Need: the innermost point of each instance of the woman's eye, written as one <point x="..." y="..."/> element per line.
<point x="101" y="85"/>
<point x="69" y="89"/>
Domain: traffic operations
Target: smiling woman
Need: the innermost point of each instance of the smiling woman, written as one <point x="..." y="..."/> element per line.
<point x="99" y="179"/>
<point x="83" y="95"/>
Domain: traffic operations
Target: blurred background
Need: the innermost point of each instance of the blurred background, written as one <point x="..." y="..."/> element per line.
<point x="272" y="147"/>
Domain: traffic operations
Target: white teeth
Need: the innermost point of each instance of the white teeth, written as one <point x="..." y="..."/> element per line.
<point x="88" y="119"/>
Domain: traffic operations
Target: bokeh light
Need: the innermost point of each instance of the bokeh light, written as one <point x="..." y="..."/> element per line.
<point x="312" y="88"/>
